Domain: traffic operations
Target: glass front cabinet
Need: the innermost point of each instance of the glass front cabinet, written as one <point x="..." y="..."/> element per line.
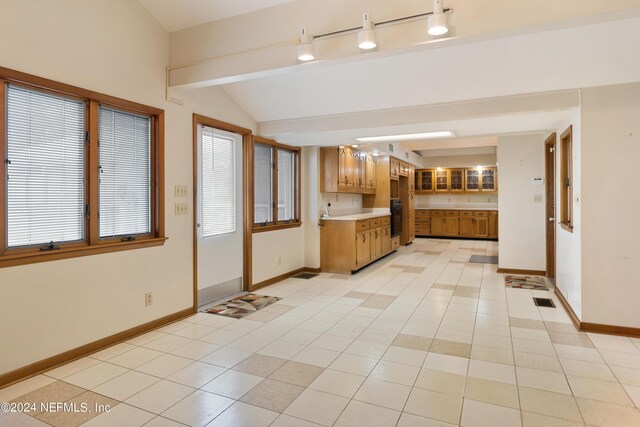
<point x="458" y="180"/>
<point x="442" y="181"/>
<point x="472" y="180"/>
<point x="489" y="179"/>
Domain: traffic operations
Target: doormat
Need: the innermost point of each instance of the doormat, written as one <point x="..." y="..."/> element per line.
<point x="242" y="306"/>
<point x="544" y="302"/>
<point x="483" y="259"/>
<point x="526" y="282"/>
<point x="305" y="276"/>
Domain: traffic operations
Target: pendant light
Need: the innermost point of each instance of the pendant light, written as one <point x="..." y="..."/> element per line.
<point x="437" y="22"/>
<point x="305" y="48"/>
<point x="367" y="37"/>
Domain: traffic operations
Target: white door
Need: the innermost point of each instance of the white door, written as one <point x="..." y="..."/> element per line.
<point x="219" y="218"/>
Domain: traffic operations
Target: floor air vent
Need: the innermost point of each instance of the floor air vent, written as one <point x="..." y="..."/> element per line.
<point x="305" y="276"/>
<point x="544" y="302"/>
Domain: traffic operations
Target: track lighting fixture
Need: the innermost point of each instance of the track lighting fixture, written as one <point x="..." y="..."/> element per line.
<point x="305" y="48"/>
<point x="367" y="37"/>
<point x="437" y="22"/>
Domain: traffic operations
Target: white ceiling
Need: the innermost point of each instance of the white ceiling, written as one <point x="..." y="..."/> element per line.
<point x="176" y="15"/>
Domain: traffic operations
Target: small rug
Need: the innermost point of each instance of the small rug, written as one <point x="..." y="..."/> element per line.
<point x="526" y="282"/>
<point x="483" y="259"/>
<point x="242" y="306"/>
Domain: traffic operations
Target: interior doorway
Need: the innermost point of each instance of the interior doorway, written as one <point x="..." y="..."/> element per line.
<point x="550" y="210"/>
<point x="221" y="267"/>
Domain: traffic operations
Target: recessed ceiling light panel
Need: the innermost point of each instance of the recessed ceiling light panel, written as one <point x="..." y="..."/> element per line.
<point x="407" y="137"/>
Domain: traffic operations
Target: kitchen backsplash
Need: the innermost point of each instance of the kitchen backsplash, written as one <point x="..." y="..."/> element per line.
<point x="457" y="200"/>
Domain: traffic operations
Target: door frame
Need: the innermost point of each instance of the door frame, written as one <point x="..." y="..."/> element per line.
<point x="247" y="198"/>
<point x="550" y="203"/>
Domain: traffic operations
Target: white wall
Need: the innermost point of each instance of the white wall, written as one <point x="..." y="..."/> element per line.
<point x="611" y="202"/>
<point x="113" y="47"/>
<point x="568" y="244"/>
<point x="521" y="221"/>
<point x="460" y="161"/>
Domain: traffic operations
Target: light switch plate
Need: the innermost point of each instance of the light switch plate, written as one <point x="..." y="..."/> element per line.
<point x="182" y="209"/>
<point x="537" y="198"/>
<point x="181" y="191"/>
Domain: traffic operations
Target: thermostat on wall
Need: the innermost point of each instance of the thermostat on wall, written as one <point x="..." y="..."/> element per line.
<point x="537" y="180"/>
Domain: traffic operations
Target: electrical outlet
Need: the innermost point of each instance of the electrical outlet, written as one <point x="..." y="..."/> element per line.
<point x="181" y="191"/>
<point x="148" y="299"/>
<point x="537" y="198"/>
<point x="182" y="209"/>
<point x="279" y="260"/>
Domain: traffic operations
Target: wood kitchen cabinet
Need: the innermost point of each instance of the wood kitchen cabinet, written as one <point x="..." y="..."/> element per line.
<point x="422" y="222"/>
<point x="460" y="180"/>
<point x="456" y="180"/>
<point x="345" y="170"/>
<point x="472" y="180"/>
<point x="488" y="179"/>
<point x="424" y="181"/>
<point x="360" y="162"/>
<point x="458" y="223"/>
<point x="442" y="181"/>
<point x="370" y="173"/>
<point x="493" y="225"/>
<point x="465" y="224"/>
<point x="394" y="169"/>
<point x="363" y="248"/>
<point x="349" y="245"/>
<point x="346" y="167"/>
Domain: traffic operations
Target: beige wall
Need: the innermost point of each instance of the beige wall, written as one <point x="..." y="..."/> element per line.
<point x="611" y="202"/>
<point x="568" y="244"/>
<point x="521" y="220"/>
<point x="52" y="307"/>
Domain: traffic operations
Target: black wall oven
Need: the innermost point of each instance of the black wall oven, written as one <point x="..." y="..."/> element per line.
<point x="396" y="217"/>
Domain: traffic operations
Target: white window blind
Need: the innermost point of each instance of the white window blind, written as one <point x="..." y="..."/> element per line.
<point x="46" y="168"/>
<point x="125" y="173"/>
<point x="218" y="182"/>
<point x="263" y="184"/>
<point x="286" y="185"/>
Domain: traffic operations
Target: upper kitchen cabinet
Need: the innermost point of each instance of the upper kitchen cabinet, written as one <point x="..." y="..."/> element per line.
<point x="472" y="180"/>
<point x="456" y="177"/>
<point x="442" y="181"/>
<point x="345" y="170"/>
<point x="394" y="169"/>
<point x="489" y="179"/>
<point x="424" y="181"/>
<point x="370" y="173"/>
<point x="459" y="180"/>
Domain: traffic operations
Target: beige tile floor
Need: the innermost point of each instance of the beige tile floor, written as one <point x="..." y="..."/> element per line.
<point x="420" y="338"/>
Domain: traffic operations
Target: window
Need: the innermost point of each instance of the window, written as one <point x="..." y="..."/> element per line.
<point x="81" y="172"/>
<point x="566" y="179"/>
<point x="276" y="175"/>
<point x="45" y="168"/>
<point x="263" y="184"/>
<point x="125" y="173"/>
<point x="218" y="182"/>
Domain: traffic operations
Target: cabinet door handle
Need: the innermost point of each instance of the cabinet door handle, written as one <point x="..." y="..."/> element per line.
<point x="364" y="238"/>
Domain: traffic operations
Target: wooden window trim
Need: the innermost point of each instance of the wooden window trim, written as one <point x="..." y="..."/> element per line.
<point x="566" y="179"/>
<point x="91" y="244"/>
<point x="275" y="224"/>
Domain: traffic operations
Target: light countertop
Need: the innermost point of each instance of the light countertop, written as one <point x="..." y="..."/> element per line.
<point x="355" y="217"/>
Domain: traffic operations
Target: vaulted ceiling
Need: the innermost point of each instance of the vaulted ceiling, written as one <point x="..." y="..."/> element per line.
<point x="176" y="15"/>
<point x="519" y="69"/>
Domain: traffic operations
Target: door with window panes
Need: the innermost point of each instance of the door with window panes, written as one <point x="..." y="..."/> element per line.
<point x="219" y="214"/>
